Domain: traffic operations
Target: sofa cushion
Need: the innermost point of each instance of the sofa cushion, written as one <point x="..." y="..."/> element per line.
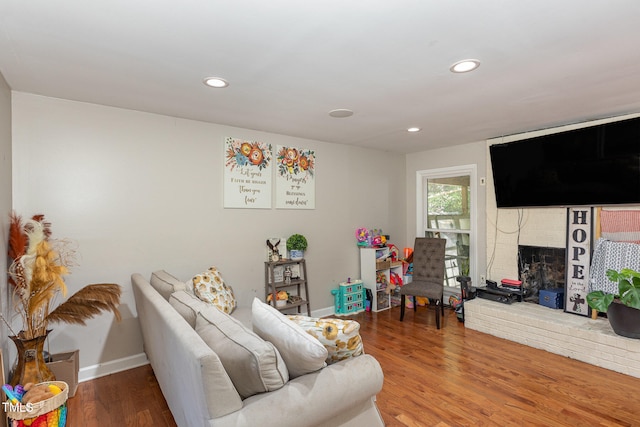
<point x="188" y="306"/>
<point x="166" y="284"/>
<point x="341" y="337"/>
<point x="301" y="352"/>
<point x="254" y="365"/>
<point x="209" y="287"/>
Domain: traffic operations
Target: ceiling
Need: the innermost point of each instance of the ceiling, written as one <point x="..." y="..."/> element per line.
<point x="544" y="63"/>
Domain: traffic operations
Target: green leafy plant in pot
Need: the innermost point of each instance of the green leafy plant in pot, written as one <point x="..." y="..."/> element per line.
<point x="296" y="245"/>
<point x="623" y="309"/>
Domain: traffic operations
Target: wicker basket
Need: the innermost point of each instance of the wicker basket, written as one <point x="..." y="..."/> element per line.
<point x="42" y="408"/>
<point x="383" y="265"/>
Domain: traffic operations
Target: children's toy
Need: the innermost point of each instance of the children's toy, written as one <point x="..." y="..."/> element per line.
<point x="349" y="297"/>
<point x="363" y="237"/>
<point x="381" y="280"/>
<point x="8" y="390"/>
<point x="395" y="253"/>
<point x="409" y="302"/>
<point x="395" y="279"/>
<point x="408" y="252"/>
<point x="377" y="238"/>
<point x="455" y="301"/>
<point x="422" y="301"/>
<point x="18" y="391"/>
<point x="367" y="299"/>
<point x="43" y="404"/>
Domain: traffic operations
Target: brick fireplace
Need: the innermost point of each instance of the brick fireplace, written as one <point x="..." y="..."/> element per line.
<point x="566" y="334"/>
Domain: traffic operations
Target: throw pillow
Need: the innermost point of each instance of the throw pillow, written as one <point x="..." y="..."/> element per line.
<point x="209" y="287"/>
<point x="188" y="306"/>
<point x="166" y="284"/>
<point x="341" y="337"/>
<point x="301" y="352"/>
<point x="254" y="365"/>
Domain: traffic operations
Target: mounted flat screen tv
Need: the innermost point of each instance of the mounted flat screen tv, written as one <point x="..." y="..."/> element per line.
<point x="593" y="166"/>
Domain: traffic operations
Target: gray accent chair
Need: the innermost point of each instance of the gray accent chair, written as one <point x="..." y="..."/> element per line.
<point x="428" y="275"/>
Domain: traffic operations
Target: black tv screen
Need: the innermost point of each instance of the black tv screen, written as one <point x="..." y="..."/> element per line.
<point x="593" y="166"/>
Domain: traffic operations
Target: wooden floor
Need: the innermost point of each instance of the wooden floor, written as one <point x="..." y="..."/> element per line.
<point x="127" y="399"/>
<point x="451" y="377"/>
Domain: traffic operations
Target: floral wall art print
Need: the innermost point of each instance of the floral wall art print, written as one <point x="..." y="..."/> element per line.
<point x="295" y="178"/>
<point x="247" y="174"/>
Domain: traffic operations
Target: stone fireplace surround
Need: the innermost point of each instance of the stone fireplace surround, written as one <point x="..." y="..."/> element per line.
<point x="566" y="334"/>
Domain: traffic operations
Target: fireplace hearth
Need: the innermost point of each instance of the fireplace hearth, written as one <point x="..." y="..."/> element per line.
<point x="577" y="337"/>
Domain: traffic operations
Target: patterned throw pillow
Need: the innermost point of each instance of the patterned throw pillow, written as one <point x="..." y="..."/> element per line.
<point x="209" y="287"/>
<point x="340" y="337"/>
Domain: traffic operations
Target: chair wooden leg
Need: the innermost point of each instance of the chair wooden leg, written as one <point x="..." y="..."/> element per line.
<point x="438" y="313"/>
<point x="415" y="303"/>
<point x="402" y="303"/>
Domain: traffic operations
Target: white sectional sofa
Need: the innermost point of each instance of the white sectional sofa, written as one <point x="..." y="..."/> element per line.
<point x="200" y="393"/>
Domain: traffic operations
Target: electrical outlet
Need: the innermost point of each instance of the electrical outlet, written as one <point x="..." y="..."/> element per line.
<point x="482" y="280"/>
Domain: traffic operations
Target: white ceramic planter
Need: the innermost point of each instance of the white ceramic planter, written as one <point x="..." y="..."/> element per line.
<point x="296" y="255"/>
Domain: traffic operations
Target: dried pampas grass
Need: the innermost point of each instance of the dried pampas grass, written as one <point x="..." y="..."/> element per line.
<point x="87" y="303"/>
<point x="36" y="273"/>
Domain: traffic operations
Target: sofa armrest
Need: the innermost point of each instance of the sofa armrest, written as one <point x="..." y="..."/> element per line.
<point x="191" y="376"/>
<point x="314" y="398"/>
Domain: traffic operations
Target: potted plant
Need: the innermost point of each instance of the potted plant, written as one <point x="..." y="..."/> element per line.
<point x="623" y="309"/>
<point x="296" y="245"/>
<point x="38" y="265"/>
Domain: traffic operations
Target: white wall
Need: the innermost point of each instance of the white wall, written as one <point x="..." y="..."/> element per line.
<point x="5" y="207"/>
<point x="466" y="154"/>
<point x="140" y="192"/>
<point x="544" y="227"/>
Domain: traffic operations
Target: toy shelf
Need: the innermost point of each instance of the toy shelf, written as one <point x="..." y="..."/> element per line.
<point x="376" y="268"/>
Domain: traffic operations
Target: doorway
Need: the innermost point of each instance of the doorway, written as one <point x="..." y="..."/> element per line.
<point x="446" y="209"/>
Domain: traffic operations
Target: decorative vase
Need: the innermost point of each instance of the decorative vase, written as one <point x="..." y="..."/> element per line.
<point x="296" y="255"/>
<point x="624" y="320"/>
<point x="30" y="364"/>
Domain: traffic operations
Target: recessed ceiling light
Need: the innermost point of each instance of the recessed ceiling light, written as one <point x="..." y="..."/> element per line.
<point x="413" y="129"/>
<point x="341" y="113"/>
<point x="216" y="82"/>
<point x="465" y="66"/>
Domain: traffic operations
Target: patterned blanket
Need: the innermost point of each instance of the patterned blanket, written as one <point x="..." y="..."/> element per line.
<point x="611" y="255"/>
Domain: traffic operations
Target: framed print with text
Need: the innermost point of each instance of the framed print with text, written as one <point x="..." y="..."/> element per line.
<point x="295" y="178"/>
<point x="247" y="174"/>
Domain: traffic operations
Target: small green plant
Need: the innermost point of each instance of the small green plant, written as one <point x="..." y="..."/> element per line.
<point x="296" y="242"/>
<point x="628" y="291"/>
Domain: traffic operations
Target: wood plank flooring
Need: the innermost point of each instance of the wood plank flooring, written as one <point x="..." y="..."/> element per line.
<point x="130" y="398"/>
<point x="447" y="377"/>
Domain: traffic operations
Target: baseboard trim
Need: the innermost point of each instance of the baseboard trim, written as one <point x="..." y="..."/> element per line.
<point x="324" y="312"/>
<point x="112" y="367"/>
